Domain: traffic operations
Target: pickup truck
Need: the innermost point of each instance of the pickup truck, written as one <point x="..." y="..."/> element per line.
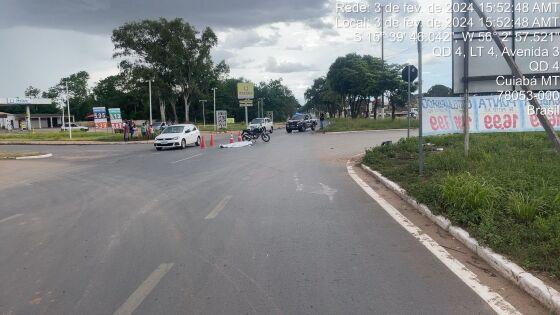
<point x="301" y="122"/>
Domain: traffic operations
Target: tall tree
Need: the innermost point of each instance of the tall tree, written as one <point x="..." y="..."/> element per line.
<point x="172" y="54"/>
<point x="80" y="100"/>
<point x="439" y="90"/>
<point x="32" y="92"/>
<point x="349" y="77"/>
<point x="321" y="97"/>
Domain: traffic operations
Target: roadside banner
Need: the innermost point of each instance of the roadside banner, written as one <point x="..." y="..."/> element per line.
<point x="100" y="117"/>
<point x="270" y="114"/>
<point x="487" y="114"/>
<point x="116" y="118"/>
<point x="231" y="120"/>
<point x="221" y="119"/>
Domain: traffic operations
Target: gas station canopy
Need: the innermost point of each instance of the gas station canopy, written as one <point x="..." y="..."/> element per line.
<point x="24" y="101"/>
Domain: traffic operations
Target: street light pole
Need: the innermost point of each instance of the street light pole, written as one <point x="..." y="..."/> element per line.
<point x="203" y="113"/>
<point x="69" y="116"/>
<point x="150" y="88"/>
<point x="215" y="127"/>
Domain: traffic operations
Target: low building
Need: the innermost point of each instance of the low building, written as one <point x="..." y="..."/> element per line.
<point x="40" y="121"/>
<point x="8" y="121"/>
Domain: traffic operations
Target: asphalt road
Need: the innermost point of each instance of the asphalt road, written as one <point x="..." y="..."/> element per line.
<point x="274" y="228"/>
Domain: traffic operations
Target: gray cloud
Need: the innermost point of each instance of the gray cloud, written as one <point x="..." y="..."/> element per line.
<point x="249" y="38"/>
<point x="273" y="66"/>
<point x="296" y="47"/>
<point x="101" y="16"/>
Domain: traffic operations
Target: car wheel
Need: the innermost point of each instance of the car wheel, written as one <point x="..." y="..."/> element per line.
<point x="183" y="144"/>
<point x="197" y="143"/>
<point x="289" y="130"/>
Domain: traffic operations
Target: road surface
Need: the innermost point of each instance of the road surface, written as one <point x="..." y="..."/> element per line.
<point x="275" y="228"/>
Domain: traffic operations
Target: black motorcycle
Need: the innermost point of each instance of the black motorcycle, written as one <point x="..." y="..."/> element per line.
<point x="254" y="134"/>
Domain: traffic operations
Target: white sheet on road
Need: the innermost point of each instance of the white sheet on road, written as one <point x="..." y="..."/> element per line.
<point x="237" y="144"/>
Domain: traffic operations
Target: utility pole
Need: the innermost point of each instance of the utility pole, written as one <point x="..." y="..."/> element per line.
<point x="466" y="125"/>
<point x="409" y="106"/>
<point x="262" y="107"/>
<point x="68" y="105"/>
<point x="150" y="93"/>
<point x="215" y="122"/>
<point x="203" y="112"/>
<point x="383" y="57"/>
<point x="421" y="136"/>
<point x="516" y="71"/>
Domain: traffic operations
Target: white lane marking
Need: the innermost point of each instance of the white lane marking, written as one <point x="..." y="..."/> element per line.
<point x="188" y="158"/>
<point x="496" y="301"/>
<point x="218" y="208"/>
<point x="299" y="186"/>
<point x="136" y="298"/>
<point x="11" y="217"/>
<point x="327" y="191"/>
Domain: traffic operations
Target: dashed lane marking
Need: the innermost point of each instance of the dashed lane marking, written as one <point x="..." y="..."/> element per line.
<point x="136" y="298"/>
<point x="218" y="208"/>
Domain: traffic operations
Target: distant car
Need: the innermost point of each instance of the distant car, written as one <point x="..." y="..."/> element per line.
<point x="262" y="123"/>
<point x="73" y="126"/>
<point x="178" y="136"/>
<point x="159" y="126"/>
<point x="301" y="122"/>
<point x="414" y="113"/>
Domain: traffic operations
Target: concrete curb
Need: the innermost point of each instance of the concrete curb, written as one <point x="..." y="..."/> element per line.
<point x="34" y="157"/>
<point x="72" y="142"/>
<point x="365" y="131"/>
<point x="523" y="279"/>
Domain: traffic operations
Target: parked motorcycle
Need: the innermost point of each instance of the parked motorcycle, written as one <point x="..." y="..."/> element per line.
<point x="254" y="134"/>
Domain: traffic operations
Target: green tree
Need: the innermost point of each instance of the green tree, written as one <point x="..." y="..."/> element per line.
<point x="350" y="77"/>
<point x="321" y="97"/>
<point x="172" y="54"/>
<point x="278" y="98"/>
<point x="80" y="101"/>
<point x="32" y="92"/>
<point x="439" y="90"/>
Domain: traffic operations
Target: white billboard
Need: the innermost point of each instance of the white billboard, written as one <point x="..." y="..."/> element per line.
<point x="530" y="30"/>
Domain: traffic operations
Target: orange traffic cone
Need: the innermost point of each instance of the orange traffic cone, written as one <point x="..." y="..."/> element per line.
<point x="239" y="137"/>
<point x="202" y="143"/>
<point x="212" y="143"/>
<point x="231" y="138"/>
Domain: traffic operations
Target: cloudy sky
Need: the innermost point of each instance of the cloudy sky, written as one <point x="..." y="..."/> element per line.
<point x="297" y="40"/>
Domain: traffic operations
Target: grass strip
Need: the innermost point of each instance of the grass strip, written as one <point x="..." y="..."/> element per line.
<point x="506" y="193"/>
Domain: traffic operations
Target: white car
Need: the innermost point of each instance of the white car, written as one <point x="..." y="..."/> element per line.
<point x="178" y="136"/>
<point x="73" y="126"/>
<point x="262" y="123"/>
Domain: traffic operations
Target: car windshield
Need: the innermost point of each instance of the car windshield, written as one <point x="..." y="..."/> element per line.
<point x="297" y="117"/>
<point x="173" y="129"/>
<point x="257" y="121"/>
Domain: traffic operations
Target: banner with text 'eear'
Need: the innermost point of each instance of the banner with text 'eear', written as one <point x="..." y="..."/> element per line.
<point x="487" y="114"/>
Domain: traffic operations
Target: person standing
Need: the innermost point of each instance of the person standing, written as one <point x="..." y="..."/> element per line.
<point x="322" y="121"/>
<point x="126" y="131"/>
<point x="132" y="129"/>
<point x="143" y="130"/>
